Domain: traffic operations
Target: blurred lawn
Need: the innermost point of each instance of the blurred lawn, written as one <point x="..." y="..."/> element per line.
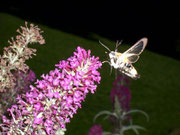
<point x="157" y="92"/>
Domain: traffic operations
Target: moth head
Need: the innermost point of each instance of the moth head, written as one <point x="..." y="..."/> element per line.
<point x="112" y="55"/>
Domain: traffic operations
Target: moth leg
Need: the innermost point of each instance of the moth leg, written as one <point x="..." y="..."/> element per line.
<point x="106" y="62"/>
<point x="111" y="70"/>
<point x="109" y="64"/>
<point x="115" y="73"/>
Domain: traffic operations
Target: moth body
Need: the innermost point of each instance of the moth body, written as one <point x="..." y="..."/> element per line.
<point x="123" y="61"/>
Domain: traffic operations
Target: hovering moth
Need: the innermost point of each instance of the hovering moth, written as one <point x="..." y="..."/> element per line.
<point x="123" y="61"/>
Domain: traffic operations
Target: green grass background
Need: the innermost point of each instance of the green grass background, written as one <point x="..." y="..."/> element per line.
<point x="157" y="92"/>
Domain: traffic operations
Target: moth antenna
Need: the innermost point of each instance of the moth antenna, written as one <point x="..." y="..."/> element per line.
<point x="117" y="45"/>
<point x="104" y="46"/>
<point x="120" y="42"/>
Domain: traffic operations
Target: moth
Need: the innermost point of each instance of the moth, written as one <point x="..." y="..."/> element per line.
<point x="123" y="61"/>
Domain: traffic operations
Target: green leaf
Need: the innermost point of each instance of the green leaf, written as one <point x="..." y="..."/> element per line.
<point x="117" y="106"/>
<point x="106" y="117"/>
<point x="134" y="111"/>
<point x="104" y="112"/>
<point x="107" y="133"/>
<point x="133" y="127"/>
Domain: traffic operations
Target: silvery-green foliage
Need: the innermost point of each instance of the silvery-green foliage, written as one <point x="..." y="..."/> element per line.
<point x="121" y="116"/>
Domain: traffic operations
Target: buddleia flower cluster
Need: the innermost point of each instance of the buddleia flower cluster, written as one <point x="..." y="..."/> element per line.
<point x="17" y="53"/>
<point x="15" y="75"/>
<point x="22" y="82"/>
<point x="50" y="104"/>
<point x="122" y="91"/>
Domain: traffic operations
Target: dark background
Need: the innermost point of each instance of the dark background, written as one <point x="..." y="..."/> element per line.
<point x="117" y="20"/>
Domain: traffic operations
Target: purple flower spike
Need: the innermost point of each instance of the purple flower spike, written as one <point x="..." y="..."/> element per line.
<point x="122" y="91"/>
<point x="95" y="130"/>
<point x="50" y="104"/>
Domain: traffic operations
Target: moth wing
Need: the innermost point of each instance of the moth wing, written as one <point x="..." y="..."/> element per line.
<point x="132" y="58"/>
<point x="132" y="54"/>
